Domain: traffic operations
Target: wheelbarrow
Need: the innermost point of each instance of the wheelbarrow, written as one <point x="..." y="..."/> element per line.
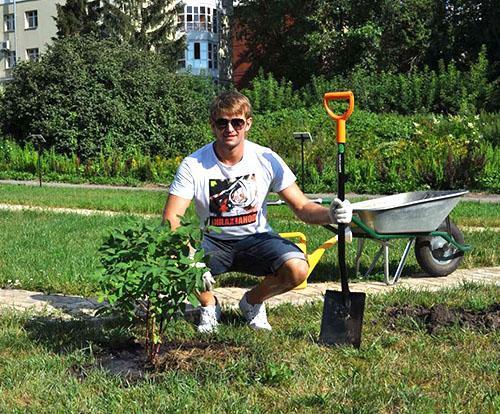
<point x="421" y="217"/>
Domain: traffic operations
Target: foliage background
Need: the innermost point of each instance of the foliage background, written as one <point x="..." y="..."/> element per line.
<point x="114" y="111"/>
<point x="89" y="97"/>
<point x="299" y="39"/>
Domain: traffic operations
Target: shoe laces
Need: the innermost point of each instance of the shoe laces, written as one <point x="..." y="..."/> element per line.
<point x="208" y="315"/>
<point x="257" y="313"/>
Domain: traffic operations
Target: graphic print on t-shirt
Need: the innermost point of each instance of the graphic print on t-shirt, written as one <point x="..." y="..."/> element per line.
<point x="233" y="201"/>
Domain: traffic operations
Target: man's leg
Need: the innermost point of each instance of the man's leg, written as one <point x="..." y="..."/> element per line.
<point x="220" y="259"/>
<point x="291" y="274"/>
<point x="206" y="298"/>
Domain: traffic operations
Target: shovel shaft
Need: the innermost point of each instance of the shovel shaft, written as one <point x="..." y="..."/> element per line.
<point x="341" y="227"/>
<point x="340" y="120"/>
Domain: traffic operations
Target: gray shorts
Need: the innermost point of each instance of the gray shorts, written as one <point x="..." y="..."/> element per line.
<point x="259" y="254"/>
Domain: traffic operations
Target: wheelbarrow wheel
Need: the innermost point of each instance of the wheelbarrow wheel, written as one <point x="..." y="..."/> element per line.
<point x="436" y="256"/>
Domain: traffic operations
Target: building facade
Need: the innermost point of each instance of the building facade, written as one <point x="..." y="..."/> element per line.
<point x="205" y="24"/>
<point x="27" y="27"/>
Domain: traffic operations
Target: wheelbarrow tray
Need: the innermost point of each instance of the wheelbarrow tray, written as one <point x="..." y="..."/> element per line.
<point x="413" y="212"/>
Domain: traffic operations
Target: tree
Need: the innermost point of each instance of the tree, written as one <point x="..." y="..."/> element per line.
<point x="462" y="27"/>
<point x="274" y="32"/>
<point x="78" y="17"/>
<point x="147" y="25"/>
<point x="147" y="273"/>
<point x="296" y="39"/>
<point x="372" y="35"/>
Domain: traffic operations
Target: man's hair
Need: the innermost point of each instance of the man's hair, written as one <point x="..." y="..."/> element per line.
<point x="230" y="102"/>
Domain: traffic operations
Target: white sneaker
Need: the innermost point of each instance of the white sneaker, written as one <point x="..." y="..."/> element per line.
<point x="255" y="314"/>
<point x="209" y="318"/>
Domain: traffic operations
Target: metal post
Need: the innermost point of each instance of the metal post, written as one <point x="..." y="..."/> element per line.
<point x="303" y="136"/>
<point x="39" y="167"/>
<point x="38" y="141"/>
<point x="303" y="182"/>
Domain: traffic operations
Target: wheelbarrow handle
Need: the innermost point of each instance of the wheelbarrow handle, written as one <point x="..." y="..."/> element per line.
<point x="339" y="119"/>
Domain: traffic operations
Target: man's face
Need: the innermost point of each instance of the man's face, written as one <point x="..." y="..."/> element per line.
<point x="230" y="129"/>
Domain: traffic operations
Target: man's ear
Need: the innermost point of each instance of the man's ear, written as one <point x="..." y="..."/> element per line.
<point x="249" y="124"/>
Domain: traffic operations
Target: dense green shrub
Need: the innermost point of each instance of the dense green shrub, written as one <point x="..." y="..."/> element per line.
<point x="386" y="153"/>
<point x="446" y="90"/>
<point x="89" y="97"/>
<point x="22" y="162"/>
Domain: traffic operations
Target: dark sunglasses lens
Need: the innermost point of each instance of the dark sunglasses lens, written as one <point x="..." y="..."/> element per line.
<point x="221" y="123"/>
<point x="236" y="123"/>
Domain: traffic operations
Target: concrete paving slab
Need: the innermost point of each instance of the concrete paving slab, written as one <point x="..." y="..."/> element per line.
<point x="75" y="306"/>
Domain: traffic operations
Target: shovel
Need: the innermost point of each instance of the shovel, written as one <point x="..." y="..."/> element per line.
<point x="342" y="311"/>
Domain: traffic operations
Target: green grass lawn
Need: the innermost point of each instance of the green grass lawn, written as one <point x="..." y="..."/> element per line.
<point x="49" y="365"/>
<point x="56" y="252"/>
<point x="54" y="366"/>
<point x="467" y="213"/>
<point x="128" y="201"/>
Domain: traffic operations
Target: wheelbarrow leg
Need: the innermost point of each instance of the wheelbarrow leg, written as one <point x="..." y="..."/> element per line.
<point x="359" y="251"/>
<point x="374" y="261"/>
<point x="386" y="262"/>
<point x="402" y="262"/>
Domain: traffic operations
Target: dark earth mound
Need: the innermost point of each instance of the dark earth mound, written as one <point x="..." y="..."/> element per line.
<point x="439" y="316"/>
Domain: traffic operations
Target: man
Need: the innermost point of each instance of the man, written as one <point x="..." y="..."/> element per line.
<point x="229" y="180"/>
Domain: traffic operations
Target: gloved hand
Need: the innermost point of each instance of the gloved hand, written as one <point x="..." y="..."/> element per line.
<point x="208" y="279"/>
<point x="340" y="211"/>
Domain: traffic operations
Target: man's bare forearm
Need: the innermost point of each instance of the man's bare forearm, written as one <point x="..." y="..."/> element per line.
<point x="313" y="213"/>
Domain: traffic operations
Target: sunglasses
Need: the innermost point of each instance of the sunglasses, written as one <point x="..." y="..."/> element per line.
<point x="236" y="123"/>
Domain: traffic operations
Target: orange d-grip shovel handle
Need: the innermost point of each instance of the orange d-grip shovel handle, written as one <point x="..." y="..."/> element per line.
<point x="339" y="119"/>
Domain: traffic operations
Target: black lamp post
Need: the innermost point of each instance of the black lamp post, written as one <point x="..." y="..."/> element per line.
<point x="38" y="141"/>
<point x="303" y="136"/>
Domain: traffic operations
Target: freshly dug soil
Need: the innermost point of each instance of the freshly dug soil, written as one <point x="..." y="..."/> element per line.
<point x="129" y="360"/>
<point x="440" y="316"/>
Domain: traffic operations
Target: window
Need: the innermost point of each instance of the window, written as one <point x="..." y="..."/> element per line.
<point x="197" y="50"/>
<point x="10" y="60"/>
<point x="215" y="20"/>
<point x="9" y="23"/>
<point x="32" y="54"/>
<point x="212" y="56"/>
<point x="199" y="18"/>
<point x="180" y="22"/>
<point x="31" y="19"/>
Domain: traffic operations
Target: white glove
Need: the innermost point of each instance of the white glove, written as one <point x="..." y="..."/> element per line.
<point x="340" y="211"/>
<point x="208" y="279"/>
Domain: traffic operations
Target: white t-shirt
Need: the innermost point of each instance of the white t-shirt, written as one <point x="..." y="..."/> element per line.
<point x="232" y="198"/>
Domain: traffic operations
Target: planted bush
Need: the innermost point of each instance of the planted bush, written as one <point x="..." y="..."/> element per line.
<point x="148" y="273"/>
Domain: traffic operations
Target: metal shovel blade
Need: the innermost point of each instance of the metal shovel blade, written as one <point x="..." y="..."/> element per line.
<point x="341" y="324"/>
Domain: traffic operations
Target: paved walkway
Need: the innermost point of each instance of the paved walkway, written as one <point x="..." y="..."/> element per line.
<point x="74" y="306"/>
<point x="472" y="196"/>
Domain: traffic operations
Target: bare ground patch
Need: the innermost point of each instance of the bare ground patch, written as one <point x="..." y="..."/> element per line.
<point x="440" y="316"/>
<point x="129" y="361"/>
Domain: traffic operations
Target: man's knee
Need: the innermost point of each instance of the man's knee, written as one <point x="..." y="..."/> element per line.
<point x="293" y="272"/>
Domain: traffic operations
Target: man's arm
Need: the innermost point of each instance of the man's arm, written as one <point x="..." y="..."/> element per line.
<point x="175" y="207"/>
<point x="304" y="209"/>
